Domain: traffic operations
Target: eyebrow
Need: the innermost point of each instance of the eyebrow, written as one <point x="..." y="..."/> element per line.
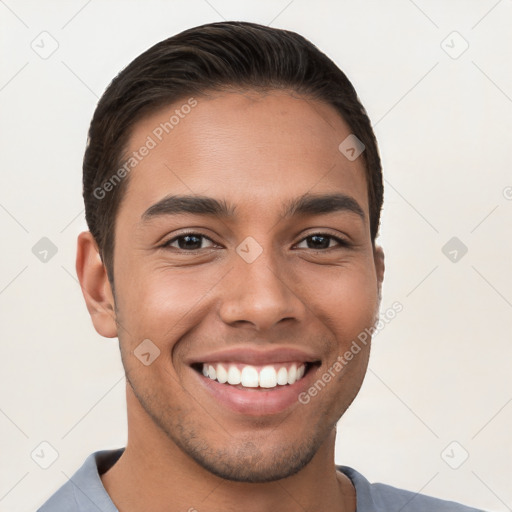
<point x="307" y="204"/>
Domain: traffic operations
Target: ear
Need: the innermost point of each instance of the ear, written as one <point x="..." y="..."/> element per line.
<point x="95" y="285"/>
<point x="378" y="258"/>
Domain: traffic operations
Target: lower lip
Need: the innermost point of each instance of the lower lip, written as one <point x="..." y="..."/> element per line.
<point x="256" y="401"/>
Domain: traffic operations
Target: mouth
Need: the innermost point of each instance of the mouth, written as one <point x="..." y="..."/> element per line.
<point x="255" y="389"/>
<point x="253" y="377"/>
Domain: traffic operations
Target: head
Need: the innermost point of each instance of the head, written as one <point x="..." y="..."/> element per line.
<point x="229" y="225"/>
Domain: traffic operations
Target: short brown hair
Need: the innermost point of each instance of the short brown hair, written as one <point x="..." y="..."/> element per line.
<point x="212" y="57"/>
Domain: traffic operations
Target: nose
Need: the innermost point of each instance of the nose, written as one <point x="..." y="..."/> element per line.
<point x="259" y="296"/>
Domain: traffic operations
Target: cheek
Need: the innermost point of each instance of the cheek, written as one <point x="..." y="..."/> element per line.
<point x="159" y="302"/>
<point x="345" y="300"/>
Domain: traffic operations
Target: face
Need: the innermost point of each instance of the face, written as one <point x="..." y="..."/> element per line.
<point x="264" y="275"/>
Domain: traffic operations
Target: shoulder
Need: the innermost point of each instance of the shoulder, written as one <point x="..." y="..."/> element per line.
<point x="62" y="499"/>
<point x="377" y="497"/>
<point x="406" y="501"/>
<point x="84" y="491"/>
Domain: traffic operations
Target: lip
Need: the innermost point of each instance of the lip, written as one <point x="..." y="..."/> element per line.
<point x="252" y="356"/>
<point x="256" y="401"/>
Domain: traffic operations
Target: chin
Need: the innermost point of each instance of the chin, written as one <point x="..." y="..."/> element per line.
<point x="249" y="463"/>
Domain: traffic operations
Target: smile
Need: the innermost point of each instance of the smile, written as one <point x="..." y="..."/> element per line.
<point x="253" y="390"/>
<point x="250" y="376"/>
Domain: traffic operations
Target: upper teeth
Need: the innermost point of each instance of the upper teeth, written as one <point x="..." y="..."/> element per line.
<point x="251" y="377"/>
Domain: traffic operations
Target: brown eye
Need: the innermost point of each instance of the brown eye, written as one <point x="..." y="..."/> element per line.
<point x="189" y="242"/>
<point x="321" y="241"/>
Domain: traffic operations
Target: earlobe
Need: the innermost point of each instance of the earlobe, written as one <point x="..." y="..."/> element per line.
<point x="95" y="285"/>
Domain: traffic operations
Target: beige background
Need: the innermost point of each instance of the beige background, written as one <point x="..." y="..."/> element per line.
<point x="439" y="372"/>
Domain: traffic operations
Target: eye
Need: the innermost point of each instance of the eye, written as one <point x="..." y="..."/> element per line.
<point x="319" y="241"/>
<point x="189" y="242"/>
<point x="196" y="241"/>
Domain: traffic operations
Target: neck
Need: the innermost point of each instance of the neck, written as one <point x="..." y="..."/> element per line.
<point x="155" y="474"/>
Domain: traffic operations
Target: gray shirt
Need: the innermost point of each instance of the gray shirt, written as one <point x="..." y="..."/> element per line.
<point x="84" y="492"/>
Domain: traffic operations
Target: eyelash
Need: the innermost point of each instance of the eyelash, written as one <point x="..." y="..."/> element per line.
<point x="341" y="242"/>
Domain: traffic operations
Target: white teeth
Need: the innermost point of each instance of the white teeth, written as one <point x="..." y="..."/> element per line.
<point x="292" y="374"/>
<point x="222" y="374"/>
<point x="282" y="376"/>
<point x="267" y="377"/>
<point x="250" y="377"/>
<point x="234" y="376"/>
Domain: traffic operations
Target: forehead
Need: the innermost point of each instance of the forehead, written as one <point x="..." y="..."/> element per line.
<point x="247" y="147"/>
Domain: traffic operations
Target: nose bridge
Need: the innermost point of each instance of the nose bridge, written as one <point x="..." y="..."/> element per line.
<point x="256" y="291"/>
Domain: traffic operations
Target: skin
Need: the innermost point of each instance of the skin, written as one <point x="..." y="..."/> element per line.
<point x="255" y="151"/>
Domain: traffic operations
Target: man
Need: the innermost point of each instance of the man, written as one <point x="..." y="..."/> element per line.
<point x="233" y="189"/>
